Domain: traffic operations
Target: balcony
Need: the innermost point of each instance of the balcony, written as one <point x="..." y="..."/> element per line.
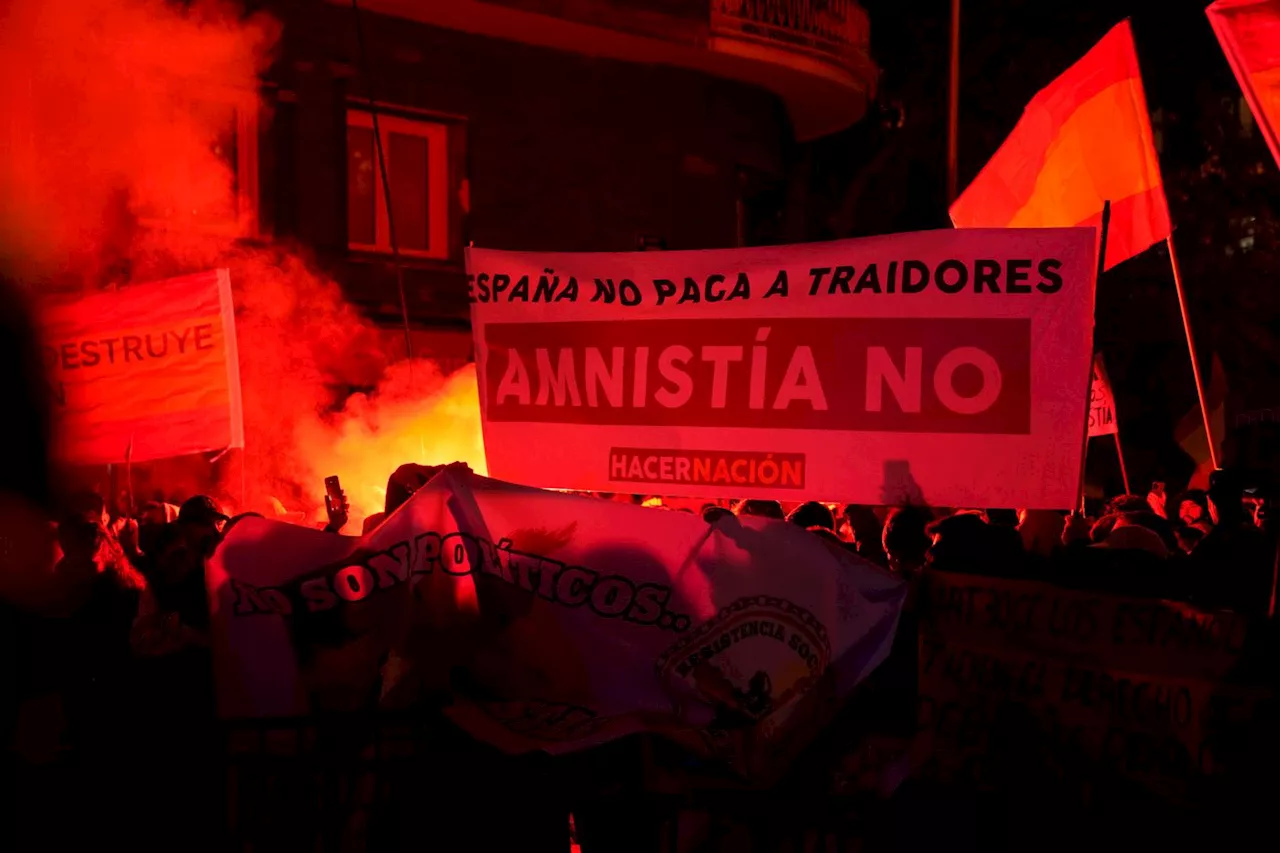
<point x="814" y="54"/>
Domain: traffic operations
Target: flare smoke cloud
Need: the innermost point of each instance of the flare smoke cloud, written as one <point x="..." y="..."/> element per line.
<point x="118" y="165"/>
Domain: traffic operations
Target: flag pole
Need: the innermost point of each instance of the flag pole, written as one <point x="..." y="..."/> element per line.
<point x="1191" y="350"/>
<point x="1124" y="472"/>
<point x="953" y="103"/>
<point x="128" y="475"/>
<point x="1088" y="389"/>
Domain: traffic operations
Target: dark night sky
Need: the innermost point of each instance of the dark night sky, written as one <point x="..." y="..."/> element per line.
<point x="1220" y="184"/>
<point x="1013" y="48"/>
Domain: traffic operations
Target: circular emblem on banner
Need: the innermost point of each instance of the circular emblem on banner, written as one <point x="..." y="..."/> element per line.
<point x="752" y="658"/>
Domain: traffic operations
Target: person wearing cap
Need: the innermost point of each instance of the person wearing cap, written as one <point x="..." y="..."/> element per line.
<point x="176" y="559"/>
<point x="203" y="511"/>
<point x="1232" y="565"/>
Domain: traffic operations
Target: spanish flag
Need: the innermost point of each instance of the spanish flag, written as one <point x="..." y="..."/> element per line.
<point x="1249" y="31"/>
<point x="1082" y="141"/>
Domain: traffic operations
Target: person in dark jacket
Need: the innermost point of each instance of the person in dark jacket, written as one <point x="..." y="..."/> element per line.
<point x="1232" y="566"/>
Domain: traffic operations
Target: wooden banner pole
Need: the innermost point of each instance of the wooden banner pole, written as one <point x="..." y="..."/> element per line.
<point x="1088" y="388"/>
<point x="128" y="476"/>
<point x="1124" y="472"/>
<point x="1191" y="350"/>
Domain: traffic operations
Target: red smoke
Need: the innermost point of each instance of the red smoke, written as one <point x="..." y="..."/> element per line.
<point x="101" y="121"/>
<point x="114" y="169"/>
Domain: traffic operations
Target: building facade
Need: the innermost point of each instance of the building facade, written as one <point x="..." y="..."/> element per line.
<point x="569" y="125"/>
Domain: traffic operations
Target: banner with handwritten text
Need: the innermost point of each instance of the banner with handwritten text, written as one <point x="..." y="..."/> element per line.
<point x="145" y="372"/>
<point x="555" y="621"/>
<point x="1075" y="682"/>
<point x="1102" y="402"/>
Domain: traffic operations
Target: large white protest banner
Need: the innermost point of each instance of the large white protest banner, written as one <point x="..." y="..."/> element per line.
<point x="556" y="621"/>
<point x="942" y="366"/>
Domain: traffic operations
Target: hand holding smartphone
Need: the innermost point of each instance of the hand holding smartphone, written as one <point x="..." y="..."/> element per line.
<point x="335" y="503"/>
<point x="1157" y="499"/>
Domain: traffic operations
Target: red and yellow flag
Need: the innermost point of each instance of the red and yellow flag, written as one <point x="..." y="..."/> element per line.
<point x="1082" y="141"/>
<point x="1249" y="31"/>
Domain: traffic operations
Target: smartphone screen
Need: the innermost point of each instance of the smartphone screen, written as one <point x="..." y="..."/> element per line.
<point x="333" y="489"/>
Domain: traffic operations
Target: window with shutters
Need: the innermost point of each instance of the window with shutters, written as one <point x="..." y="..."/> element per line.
<point x="417" y="152"/>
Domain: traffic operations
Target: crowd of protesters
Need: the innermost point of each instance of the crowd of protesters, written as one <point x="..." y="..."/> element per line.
<point x="1215" y="549"/>
<point x="128" y="595"/>
<point x="105" y="616"/>
<point x="114" y="661"/>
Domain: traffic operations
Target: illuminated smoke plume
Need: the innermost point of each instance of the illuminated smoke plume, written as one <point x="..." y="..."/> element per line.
<point x="105" y="131"/>
<point x="101" y="127"/>
<point x="417" y="415"/>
